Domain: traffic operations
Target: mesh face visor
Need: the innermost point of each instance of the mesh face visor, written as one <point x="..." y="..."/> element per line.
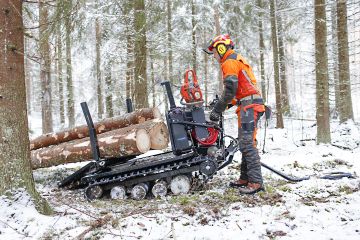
<point x="208" y="47"/>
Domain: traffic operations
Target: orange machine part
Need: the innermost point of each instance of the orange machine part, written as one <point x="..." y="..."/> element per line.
<point x="191" y="92"/>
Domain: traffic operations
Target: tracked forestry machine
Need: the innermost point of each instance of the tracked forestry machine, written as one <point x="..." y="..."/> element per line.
<point x="198" y="152"/>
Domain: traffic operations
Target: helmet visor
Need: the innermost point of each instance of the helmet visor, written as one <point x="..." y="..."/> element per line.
<point x="208" y="47"/>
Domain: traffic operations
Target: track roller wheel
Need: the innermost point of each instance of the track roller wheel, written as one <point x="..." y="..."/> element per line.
<point x="139" y="191"/>
<point x="118" y="192"/>
<point x="159" y="189"/>
<point x="93" y="192"/>
<point x="180" y="185"/>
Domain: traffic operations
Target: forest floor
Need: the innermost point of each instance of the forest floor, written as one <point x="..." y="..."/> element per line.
<point x="312" y="209"/>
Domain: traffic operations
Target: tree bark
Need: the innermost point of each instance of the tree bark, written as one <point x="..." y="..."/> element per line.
<point x="279" y="117"/>
<point x="206" y="74"/>
<point x="217" y="31"/>
<point x="138" y="116"/>
<point x="193" y="35"/>
<point x="69" y="82"/>
<point x="140" y="86"/>
<point x="45" y="68"/>
<point x="334" y="56"/>
<point x="98" y="70"/>
<point x="169" y="39"/>
<point x="28" y="79"/>
<point x="131" y="140"/>
<point x="129" y="75"/>
<point x="282" y="67"/>
<point x="152" y="74"/>
<point x="345" y="106"/>
<point x="60" y="77"/>
<point x="262" y="49"/>
<point x="109" y="90"/>
<point x="15" y="168"/>
<point x="321" y="69"/>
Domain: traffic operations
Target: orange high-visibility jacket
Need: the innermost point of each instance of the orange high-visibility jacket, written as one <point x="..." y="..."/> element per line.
<point x="233" y="64"/>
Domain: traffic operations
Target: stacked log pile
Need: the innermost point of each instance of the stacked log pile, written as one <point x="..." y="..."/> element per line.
<point x="131" y="134"/>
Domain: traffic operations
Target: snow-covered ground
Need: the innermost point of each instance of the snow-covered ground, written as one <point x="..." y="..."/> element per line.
<point x="312" y="209"/>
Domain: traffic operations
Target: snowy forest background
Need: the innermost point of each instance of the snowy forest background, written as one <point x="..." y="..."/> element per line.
<point x="305" y="55"/>
<point x="105" y="51"/>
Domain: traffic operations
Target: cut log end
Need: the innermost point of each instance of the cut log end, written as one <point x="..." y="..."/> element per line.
<point x="159" y="136"/>
<point x="142" y="140"/>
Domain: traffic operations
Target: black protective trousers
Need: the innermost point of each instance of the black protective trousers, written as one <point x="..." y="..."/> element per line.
<point x="248" y="116"/>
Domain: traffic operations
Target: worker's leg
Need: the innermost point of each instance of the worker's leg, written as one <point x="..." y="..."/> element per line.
<point x="247" y="144"/>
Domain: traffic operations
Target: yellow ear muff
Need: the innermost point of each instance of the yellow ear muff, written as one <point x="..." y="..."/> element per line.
<point x="221" y="49"/>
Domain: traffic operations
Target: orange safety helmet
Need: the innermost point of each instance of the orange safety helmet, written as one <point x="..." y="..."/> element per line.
<point x="222" y="43"/>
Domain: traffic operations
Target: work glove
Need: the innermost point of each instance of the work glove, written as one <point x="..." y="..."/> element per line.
<point x="214" y="116"/>
<point x="213" y="103"/>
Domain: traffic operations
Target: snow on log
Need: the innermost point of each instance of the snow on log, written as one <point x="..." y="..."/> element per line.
<point x="105" y="125"/>
<point x="116" y="143"/>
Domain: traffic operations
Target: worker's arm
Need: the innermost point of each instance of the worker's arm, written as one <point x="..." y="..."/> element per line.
<point x="230" y="70"/>
<point x="230" y="88"/>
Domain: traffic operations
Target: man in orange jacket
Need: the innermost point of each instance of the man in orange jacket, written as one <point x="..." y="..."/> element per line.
<point x="240" y="89"/>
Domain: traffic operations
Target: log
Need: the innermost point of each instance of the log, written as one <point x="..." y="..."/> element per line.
<point x="131" y="140"/>
<point x="105" y="125"/>
<point x="158" y="132"/>
<point x="114" y="143"/>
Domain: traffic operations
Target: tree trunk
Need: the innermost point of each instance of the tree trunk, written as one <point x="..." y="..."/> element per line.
<point x="45" y="69"/>
<point x="109" y="90"/>
<point x="98" y="70"/>
<point x="346" y="110"/>
<point x="279" y="117"/>
<point x="60" y="78"/>
<point x="69" y="83"/>
<point x="166" y="74"/>
<point x="206" y="74"/>
<point x="217" y="31"/>
<point x="169" y="39"/>
<point x="15" y="168"/>
<point x="138" y="116"/>
<point x="321" y="69"/>
<point x="28" y="79"/>
<point x="193" y="35"/>
<point x="129" y="23"/>
<point x="132" y="140"/>
<point x="282" y="67"/>
<point x="152" y="74"/>
<point x="334" y="56"/>
<point x="262" y="49"/>
<point x="140" y="86"/>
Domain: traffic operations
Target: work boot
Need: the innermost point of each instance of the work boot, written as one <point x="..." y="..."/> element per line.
<point x="251" y="188"/>
<point x="239" y="183"/>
